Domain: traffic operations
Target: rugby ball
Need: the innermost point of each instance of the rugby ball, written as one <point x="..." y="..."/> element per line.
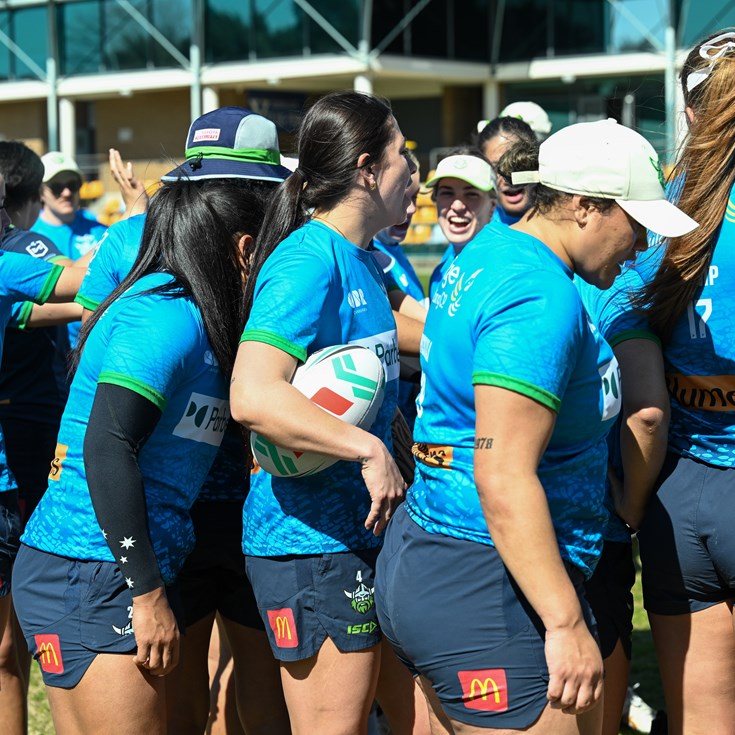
<point x="347" y="381"/>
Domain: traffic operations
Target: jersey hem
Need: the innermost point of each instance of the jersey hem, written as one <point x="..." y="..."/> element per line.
<point x="275" y="340"/>
<point x="86" y="302"/>
<point x="24" y="316"/>
<point x="137" y="386"/>
<point x="633" y="334"/>
<point x="49" y="284"/>
<point x="518" y="386"/>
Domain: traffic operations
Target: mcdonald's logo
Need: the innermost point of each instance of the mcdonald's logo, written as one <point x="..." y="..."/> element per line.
<point x="284" y="627"/>
<point x="484" y="689"/>
<point x="49" y="653"/>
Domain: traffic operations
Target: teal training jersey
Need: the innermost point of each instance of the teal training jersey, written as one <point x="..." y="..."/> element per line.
<point x="317" y="290"/>
<point x="613" y="314"/>
<point x="112" y="261"/>
<point x="699" y="359"/>
<point x="507" y="314"/>
<point x="154" y="345"/>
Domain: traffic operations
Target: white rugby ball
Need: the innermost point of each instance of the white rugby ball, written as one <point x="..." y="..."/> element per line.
<point x="347" y="381"/>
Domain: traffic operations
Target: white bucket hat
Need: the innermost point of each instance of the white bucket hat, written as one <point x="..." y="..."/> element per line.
<point x="475" y="171"/>
<point x="604" y="159"/>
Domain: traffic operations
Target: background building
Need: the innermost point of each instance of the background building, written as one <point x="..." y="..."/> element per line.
<point x="87" y="75"/>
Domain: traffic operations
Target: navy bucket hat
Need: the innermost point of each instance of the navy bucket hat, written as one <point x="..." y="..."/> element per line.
<point x="231" y="143"/>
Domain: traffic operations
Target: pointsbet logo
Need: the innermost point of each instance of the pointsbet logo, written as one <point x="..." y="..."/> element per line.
<point x="205" y="419"/>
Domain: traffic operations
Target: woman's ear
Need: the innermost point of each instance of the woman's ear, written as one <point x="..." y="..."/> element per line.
<point x="582" y="208"/>
<point x="245" y="248"/>
<point x="367" y="171"/>
<point x="691" y="117"/>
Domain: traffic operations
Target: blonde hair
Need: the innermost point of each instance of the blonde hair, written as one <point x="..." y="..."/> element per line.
<point x="705" y="173"/>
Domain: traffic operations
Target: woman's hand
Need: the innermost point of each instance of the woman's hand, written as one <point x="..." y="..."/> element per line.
<point x="575" y="669"/>
<point x="156" y="633"/>
<point x="385" y="485"/>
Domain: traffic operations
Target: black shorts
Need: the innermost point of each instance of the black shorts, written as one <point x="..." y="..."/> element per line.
<point x="10" y="527"/>
<point x="610" y="594"/>
<point x="30" y="447"/>
<point x="213" y="577"/>
<point x="687" y="542"/>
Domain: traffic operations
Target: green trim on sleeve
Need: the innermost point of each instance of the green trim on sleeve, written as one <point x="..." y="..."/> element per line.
<point x="86" y="302"/>
<point x="56" y="258"/>
<point x="633" y="334"/>
<point x="547" y="399"/>
<point x="260" y="335"/>
<point x="25" y="314"/>
<point x="50" y="284"/>
<point x="137" y="386"/>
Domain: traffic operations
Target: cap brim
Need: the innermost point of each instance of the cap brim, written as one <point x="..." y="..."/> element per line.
<point x="223" y="168"/>
<point x="659" y="216"/>
<point x="65" y="170"/>
<point x="432" y="182"/>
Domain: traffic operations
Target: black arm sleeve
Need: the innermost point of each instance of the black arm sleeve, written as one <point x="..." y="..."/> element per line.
<point x="119" y="425"/>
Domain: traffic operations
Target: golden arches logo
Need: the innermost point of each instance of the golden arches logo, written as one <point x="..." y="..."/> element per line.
<point x="483" y="687"/>
<point x="46" y="651"/>
<point x="49" y="654"/>
<point x="283" y="628"/>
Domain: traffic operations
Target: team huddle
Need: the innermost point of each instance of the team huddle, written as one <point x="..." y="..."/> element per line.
<point x="440" y="519"/>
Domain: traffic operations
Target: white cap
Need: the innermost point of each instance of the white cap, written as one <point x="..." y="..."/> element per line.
<point x="604" y="159"/>
<point x="55" y="162"/>
<point x="473" y="170"/>
<point x="530" y="113"/>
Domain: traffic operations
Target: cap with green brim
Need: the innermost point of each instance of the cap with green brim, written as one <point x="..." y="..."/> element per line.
<point x="607" y="160"/>
<point x="475" y="171"/>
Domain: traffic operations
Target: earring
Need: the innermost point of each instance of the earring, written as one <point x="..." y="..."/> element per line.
<point x="373" y="186"/>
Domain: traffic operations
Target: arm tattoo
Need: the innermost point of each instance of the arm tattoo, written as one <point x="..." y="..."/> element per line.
<point x="483" y="442"/>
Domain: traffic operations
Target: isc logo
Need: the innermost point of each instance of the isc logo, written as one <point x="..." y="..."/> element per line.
<point x="205" y="419"/>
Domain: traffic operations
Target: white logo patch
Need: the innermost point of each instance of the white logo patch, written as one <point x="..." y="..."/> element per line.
<point x="611" y="400"/>
<point x="206" y="134"/>
<point x="385" y="346"/>
<point x="37" y="249"/>
<point x="204" y="420"/>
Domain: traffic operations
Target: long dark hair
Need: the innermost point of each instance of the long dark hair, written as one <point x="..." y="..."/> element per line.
<point x="509" y="127"/>
<point x="706" y="173"/>
<point x="335" y="132"/>
<point x="192" y="231"/>
<point x="22" y="170"/>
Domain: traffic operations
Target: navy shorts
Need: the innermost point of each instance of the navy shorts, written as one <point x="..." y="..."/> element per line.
<point x="610" y="595"/>
<point x="453" y="613"/>
<point x="72" y="610"/>
<point x="213" y="577"/>
<point x="10" y="527"/>
<point x="304" y="599"/>
<point x="687" y="542"/>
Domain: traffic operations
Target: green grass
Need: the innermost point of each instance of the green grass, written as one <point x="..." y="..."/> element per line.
<point x="39" y="717"/>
